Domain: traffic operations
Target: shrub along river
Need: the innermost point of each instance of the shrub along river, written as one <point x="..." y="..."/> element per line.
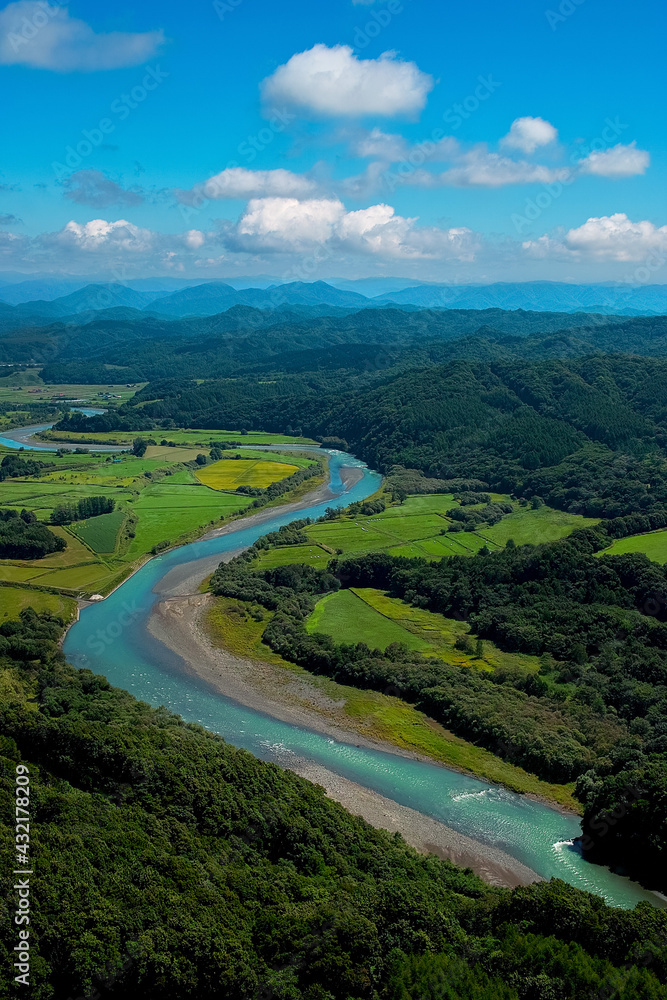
<point x="112" y="638"/>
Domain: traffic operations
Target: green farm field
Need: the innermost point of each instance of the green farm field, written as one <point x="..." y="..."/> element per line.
<point x="199" y="439"/>
<point x="14" y="600"/>
<point x="167" y="513"/>
<point x="653" y="544"/>
<point x="414" y="529"/>
<point x="158" y="500"/>
<point x="101" y="533"/>
<point x="28" y="387"/>
<point x="363" y="614"/>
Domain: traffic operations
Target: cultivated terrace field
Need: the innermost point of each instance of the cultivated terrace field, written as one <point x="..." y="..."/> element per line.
<point x="420" y="527"/>
<point x="170" y="494"/>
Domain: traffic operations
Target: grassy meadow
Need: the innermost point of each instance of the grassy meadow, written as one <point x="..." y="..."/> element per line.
<point x="13" y="600"/>
<point x="652" y="544"/>
<point x="363" y="614"/>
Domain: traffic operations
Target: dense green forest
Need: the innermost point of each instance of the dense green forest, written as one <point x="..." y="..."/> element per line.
<point x="597" y="710"/>
<point x="362" y="345"/>
<point x="169" y="864"/>
<point x="586" y="435"/>
<point x="14" y="465"/>
<point x="150" y="346"/>
<point x="22" y="537"/>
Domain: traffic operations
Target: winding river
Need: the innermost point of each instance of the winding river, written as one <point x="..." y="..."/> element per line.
<point x="112" y="638"/>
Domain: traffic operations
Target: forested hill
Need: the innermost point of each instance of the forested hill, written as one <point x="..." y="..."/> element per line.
<point x="244" y="335"/>
<point x="586" y="435"/>
<point x="171" y="865"/>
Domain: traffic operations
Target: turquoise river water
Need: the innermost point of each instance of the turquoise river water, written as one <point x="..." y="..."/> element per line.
<point x="112" y="638"/>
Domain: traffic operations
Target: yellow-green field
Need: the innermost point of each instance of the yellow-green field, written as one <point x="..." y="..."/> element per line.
<point x="229" y="473"/>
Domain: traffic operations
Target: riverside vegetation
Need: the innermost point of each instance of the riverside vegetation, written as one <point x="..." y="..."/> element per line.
<point x="179" y="866"/>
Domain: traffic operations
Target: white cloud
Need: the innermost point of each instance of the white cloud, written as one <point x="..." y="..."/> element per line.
<point x="287" y="225"/>
<point x="291" y="222"/>
<point x="479" y="168"/>
<point x="99" y="234"/>
<point x="605" y="238"/>
<point x="330" y="82"/>
<point x="619" y="161"/>
<point x="392" y="148"/>
<point x="527" y="134"/>
<point x="380" y="145"/>
<point x="616" y="237"/>
<point x="44" y="36"/>
<point x="239" y="182"/>
<point x="194" y="239"/>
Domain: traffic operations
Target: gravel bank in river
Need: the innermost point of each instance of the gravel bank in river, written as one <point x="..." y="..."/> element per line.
<point x="264" y="687"/>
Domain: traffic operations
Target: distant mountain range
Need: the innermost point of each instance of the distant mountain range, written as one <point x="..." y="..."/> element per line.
<point x="180" y="298"/>
<point x="543" y="296"/>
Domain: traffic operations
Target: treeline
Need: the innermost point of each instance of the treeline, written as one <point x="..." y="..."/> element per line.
<point x="82" y="510"/>
<point x="596" y="712"/>
<point x="23" y="537"/>
<point x="178" y="867"/>
<point x="585" y="435"/>
<point x="13" y="466"/>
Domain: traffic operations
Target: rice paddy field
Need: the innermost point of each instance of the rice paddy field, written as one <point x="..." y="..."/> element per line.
<point x="414" y="529"/>
<point x="158" y="501"/>
<point x="229" y="474"/>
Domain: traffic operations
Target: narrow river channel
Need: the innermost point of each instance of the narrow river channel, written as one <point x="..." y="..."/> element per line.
<point x="112" y="638"/>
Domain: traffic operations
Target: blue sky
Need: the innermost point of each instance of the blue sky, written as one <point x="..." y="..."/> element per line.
<point x="451" y="142"/>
